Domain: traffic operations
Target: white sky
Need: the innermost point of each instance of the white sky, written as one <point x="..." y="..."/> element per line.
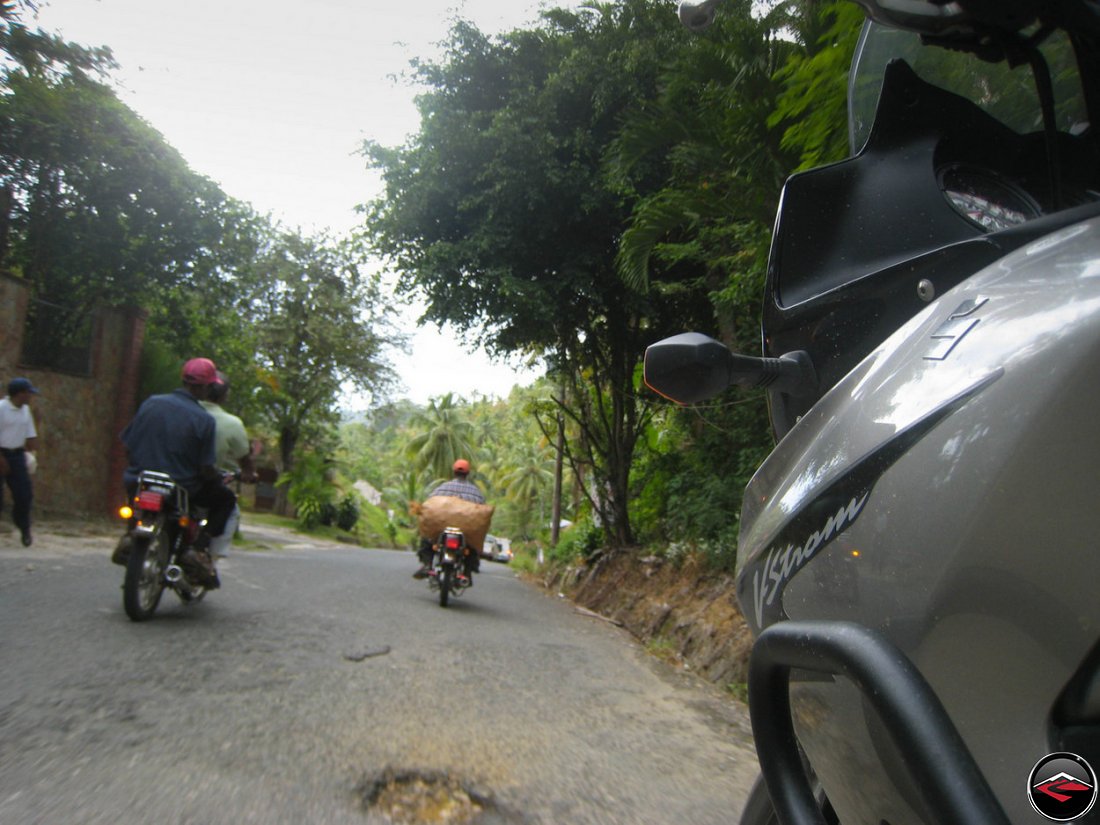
<point x="272" y="98"/>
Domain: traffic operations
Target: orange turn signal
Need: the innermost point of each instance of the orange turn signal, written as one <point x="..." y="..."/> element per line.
<point x="126" y="511"/>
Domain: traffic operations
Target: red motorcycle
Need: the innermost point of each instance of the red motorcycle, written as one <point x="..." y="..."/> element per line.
<point x="162" y="529"/>
<point x="451" y="576"/>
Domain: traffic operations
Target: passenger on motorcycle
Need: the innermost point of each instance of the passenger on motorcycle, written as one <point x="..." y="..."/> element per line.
<point x="234" y="454"/>
<point x="460" y="487"/>
<point x="171" y="433"/>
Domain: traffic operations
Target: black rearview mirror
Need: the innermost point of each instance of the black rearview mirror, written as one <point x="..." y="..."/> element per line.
<point x="687" y="368"/>
<point x="690" y="367"/>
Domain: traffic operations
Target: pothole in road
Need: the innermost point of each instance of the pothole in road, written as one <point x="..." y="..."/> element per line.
<point x="425" y="798"/>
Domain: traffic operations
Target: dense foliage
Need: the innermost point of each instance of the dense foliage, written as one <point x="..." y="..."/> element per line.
<point x="94" y="205"/>
<point x="497" y="212"/>
<point x="588" y="187"/>
<point x="404" y="451"/>
<point x="97" y="209"/>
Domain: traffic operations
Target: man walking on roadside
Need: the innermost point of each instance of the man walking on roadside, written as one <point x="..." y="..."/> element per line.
<point x="18" y="439"/>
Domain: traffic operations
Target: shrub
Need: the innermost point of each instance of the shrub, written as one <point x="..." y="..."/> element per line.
<point x="581" y="541"/>
<point x="524" y="560"/>
<point x="377" y="528"/>
<point x="309" y="490"/>
<point x="347" y="513"/>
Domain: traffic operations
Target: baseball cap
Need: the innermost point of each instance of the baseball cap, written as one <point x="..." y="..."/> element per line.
<point x="17" y="385"/>
<point x="200" y="371"/>
<point x="461" y="466"/>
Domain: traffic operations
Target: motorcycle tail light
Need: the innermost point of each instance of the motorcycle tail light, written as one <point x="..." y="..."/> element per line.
<point x="452" y="542"/>
<point x="148" y="500"/>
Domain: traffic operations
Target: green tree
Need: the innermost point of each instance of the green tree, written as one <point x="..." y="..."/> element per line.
<point x="409" y="487"/>
<point x="813" y="106"/>
<point x="499" y="213"/>
<point x="309" y="489"/>
<point x="738" y="110"/>
<point x="12" y="9"/>
<point x="528" y="479"/>
<point x="95" y="207"/>
<point x="318" y="325"/>
<point x="444" y="434"/>
<point x="583" y="189"/>
<point x="705" y="170"/>
<point x="373" y="447"/>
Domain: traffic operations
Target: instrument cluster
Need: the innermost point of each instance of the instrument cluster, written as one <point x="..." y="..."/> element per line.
<point x="986" y="199"/>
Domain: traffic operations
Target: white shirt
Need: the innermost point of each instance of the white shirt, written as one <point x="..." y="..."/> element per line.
<point x="16" y="425"/>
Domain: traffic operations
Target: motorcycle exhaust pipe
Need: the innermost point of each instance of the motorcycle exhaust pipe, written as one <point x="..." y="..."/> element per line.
<point x="697" y="16"/>
<point x="173" y="574"/>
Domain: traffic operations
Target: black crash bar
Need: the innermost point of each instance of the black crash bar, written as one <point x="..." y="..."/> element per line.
<point x="954" y="791"/>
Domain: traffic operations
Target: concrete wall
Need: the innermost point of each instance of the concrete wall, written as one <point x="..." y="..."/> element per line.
<point x="80" y="459"/>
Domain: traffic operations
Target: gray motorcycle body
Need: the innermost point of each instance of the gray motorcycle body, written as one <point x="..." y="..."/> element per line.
<point x="945" y="493"/>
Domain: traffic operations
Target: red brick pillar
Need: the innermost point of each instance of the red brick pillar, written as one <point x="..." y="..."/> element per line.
<point x="125" y="404"/>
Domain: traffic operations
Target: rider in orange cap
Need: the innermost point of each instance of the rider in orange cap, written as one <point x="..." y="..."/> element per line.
<point x="460" y="487"/>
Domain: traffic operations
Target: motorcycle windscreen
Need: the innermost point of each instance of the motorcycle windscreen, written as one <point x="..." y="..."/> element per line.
<point x="861" y="246"/>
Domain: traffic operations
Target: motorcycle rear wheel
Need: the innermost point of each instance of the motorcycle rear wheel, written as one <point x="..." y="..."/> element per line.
<point x="144" y="581"/>
<point x="445" y="586"/>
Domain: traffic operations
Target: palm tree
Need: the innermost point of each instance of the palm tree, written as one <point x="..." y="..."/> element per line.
<point x="445" y="434"/>
<point x="527" y="481"/>
<point x="412" y="485"/>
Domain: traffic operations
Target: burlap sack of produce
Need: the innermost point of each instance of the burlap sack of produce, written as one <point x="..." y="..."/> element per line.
<point x="440" y="512"/>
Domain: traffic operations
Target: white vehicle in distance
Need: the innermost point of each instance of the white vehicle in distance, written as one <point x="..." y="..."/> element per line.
<point x="497" y="549"/>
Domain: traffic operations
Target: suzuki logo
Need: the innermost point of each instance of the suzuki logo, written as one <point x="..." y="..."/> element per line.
<point x="954" y="329"/>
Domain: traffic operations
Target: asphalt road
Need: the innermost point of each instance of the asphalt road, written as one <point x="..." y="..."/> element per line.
<point x="272" y="701"/>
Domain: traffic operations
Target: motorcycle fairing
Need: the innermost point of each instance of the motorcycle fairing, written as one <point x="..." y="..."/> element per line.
<point x="956" y="580"/>
<point x="812" y="528"/>
<point x="854" y="240"/>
